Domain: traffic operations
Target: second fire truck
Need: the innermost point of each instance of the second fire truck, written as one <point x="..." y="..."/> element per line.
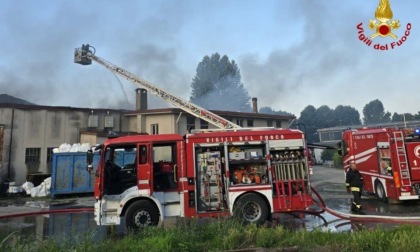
<point x="249" y="173"/>
<point x="387" y="158"/>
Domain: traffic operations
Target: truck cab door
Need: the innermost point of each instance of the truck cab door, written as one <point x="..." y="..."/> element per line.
<point x="145" y="169"/>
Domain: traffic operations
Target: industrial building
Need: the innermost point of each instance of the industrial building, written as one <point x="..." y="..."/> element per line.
<point x="29" y="133"/>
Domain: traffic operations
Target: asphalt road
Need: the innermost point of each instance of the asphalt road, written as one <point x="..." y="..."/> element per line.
<point x="329" y="182"/>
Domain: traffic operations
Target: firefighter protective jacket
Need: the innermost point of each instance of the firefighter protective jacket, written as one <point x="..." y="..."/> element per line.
<point x="354" y="180"/>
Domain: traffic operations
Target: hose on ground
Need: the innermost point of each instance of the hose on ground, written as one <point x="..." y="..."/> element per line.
<point x="54" y="211"/>
<point x="367" y="218"/>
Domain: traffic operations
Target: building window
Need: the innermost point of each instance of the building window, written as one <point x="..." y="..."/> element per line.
<point x="269" y="123"/>
<point x="250" y="123"/>
<point x="190" y="123"/>
<point x="32" y="155"/>
<point x="278" y="124"/>
<point x="239" y="122"/>
<point x="154" y="129"/>
<point x="204" y="124"/>
<point x="50" y="154"/>
<point x="330" y="136"/>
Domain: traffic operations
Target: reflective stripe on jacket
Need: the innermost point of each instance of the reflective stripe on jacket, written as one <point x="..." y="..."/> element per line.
<point x="355" y="189"/>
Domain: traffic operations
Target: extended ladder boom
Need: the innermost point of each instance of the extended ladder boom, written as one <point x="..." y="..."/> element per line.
<point x="84" y="56"/>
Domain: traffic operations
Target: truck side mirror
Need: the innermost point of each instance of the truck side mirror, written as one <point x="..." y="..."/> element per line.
<point x="340" y="148"/>
<point x="89" y="161"/>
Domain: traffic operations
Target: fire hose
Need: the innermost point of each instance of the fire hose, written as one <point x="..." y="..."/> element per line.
<point x="361" y="218"/>
<point x="54" y="211"/>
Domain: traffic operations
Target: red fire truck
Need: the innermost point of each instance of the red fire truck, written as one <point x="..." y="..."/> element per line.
<point x="387" y="158"/>
<point x="246" y="173"/>
<point x="250" y="173"/>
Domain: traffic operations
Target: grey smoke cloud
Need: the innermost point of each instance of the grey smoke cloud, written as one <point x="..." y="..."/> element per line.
<point x="290" y="53"/>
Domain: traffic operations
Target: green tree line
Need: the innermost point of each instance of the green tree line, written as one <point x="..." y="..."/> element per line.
<point x="218" y="78"/>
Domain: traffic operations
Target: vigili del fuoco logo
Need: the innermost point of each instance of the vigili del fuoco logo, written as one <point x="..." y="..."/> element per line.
<point x="383" y="26"/>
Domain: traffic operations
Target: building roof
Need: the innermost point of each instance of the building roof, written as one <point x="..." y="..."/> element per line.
<point x="56" y="108"/>
<point x="5" y="98"/>
<point x="217" y="112"/>
<point x="147" y="112"/>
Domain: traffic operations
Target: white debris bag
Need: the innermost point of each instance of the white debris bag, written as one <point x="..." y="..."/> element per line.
<point x="43" y="189"/>
<point x="76" y="147"/>
<point x="27" y="186"/>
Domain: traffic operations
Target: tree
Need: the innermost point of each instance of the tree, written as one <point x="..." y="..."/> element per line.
<point x="324" y="118"/>
<point x="217" y="85"/>
<point x="268" y="110"/>
<point x="403" y="117"/>
<point x="308" y="123"/>
<point x="346" y="115"/>
<point x="327" y="154"/>
<point x="374" y="112"/>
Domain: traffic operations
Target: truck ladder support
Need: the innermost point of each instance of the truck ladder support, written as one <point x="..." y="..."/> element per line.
<point x="402" y="158"/>
<point x="84" y="56"/>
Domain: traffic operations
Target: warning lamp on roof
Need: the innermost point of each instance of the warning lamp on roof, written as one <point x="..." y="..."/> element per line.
<point x="417" y="132"/>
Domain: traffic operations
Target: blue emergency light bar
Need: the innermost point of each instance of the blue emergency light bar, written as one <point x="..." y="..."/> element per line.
<point x="417" y="132"/>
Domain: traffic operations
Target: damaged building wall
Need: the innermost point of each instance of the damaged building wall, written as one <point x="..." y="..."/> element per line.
<point x="35" y="134"/>
<point x="30" y="133"/>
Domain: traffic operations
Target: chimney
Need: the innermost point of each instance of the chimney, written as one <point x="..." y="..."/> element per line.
<point x="141" y="99"/>
<point x="254" y="105"/>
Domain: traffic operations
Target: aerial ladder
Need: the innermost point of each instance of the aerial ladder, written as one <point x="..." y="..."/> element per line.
<point x="86" y="54"/>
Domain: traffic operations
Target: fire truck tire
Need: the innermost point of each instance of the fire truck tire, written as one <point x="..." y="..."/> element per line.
<point x="251" y="208"/>
<point x="141" y="213"/>
<point x="380" y="191"/>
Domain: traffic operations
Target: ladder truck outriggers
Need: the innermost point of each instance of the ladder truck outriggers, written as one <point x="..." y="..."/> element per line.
<point x="387" y="158"/>
<point x="250" y="173"/>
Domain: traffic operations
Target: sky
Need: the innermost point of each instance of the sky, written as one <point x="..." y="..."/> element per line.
<point x="290" y="53"/>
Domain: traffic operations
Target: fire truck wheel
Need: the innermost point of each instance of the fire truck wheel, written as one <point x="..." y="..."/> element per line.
<point x="251" y="208"/>
<point x="380" y="191"/>
<point x="141" y="214"/>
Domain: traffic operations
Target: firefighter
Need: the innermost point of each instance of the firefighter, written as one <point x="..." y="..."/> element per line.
<point x="386" y="168"/>
<point x="389" y="169"/>
<point x="354" y="184"/>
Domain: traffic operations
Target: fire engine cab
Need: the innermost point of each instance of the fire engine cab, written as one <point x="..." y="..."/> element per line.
<point x="248" y="173"/>
<point x="387" y="158"/>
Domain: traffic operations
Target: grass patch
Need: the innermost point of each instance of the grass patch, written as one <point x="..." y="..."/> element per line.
<point x="221" y="235"/>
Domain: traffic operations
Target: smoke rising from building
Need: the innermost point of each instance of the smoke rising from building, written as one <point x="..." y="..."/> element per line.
<point x="290" y="53"/>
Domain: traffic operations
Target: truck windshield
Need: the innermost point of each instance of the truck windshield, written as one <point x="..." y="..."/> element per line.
<point x="121" y="155"/>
